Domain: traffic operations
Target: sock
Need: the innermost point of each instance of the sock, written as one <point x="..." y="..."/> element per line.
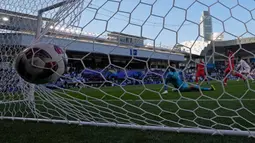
<point x="207" y="80"/>
<point x="205" y="89"/>
<point x="239" y="75"/>
<point x="226" y="76"/>
<point x="249" y="76"/>
<point x="165" y="86"/>
<point x="196" y="79"/>
<point x="196" y="88"/>
<point x="225" y="80"/>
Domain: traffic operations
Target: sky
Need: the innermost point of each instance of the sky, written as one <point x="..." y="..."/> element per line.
<point x="170" y="22"/>
<point x="166" y="22"/>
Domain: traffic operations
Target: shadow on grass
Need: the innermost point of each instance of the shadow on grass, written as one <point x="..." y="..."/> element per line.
<point x="30" y="132"/>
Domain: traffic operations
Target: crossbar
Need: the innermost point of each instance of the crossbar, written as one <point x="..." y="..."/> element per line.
<point x="55" y="6"/>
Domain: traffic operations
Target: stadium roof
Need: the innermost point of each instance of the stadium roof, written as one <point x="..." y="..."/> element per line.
<point x="91" y="46"/>
<point x="17" y="14"/>
<point x="222" y="46"/>
<point x="234" y="42"/>
<point x="127" y="35"/>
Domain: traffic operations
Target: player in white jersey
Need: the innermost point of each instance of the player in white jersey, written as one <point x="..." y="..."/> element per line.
<point x="244" y="68"/>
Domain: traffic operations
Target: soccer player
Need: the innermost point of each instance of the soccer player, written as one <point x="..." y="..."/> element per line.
<point x="230" y="68"/>
<point x="244" y="68"/>
<point x="201" y="71"/>
<point x="252" y="69"/>
<point x="173" y="77"/>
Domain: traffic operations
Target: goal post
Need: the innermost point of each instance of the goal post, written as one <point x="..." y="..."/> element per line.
<point x="41" y="11"/>
<point x="31" y="87"/>
<point x="38" y="31"/>
<point x="112" y="46"/>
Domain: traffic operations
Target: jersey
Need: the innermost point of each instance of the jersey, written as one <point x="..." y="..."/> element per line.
<point x="243" y="65"/>
<point x="175" y="80"/>
<point x="200" y="67"/>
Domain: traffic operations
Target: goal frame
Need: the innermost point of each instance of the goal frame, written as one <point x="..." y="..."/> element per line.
<point x="111" y="124"/>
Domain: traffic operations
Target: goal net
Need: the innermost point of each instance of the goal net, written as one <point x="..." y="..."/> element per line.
<point x="119" y="53"/>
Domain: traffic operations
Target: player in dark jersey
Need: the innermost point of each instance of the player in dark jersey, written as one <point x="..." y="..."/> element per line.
<point x="173" y="77"/>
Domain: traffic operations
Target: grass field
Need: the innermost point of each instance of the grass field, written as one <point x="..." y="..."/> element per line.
<point x="27" y="132"/>
<point x="225" y="108"/>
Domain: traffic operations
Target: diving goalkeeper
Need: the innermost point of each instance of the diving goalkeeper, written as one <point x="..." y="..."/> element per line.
<point x="173" y="77"/>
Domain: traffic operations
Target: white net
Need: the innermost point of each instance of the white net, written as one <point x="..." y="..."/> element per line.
<point x="119" y="53"/>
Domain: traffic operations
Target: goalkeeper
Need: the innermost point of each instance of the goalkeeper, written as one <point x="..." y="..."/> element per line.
<point x="173" y="77"/>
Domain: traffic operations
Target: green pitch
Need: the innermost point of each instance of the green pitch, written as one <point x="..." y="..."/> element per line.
<point x="232" y="106"/>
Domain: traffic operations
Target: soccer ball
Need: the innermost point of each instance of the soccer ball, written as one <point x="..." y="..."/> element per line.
<point x="41" y="63"/>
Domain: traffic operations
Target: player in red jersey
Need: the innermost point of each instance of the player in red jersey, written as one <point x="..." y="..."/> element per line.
<point x="201" y="71"/>
<point x="230" y="67"/>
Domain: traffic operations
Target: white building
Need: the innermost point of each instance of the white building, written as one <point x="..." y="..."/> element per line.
<point x="206" y="28"/>
<point x="193" y="47"/>
<point x="216" y="36"/>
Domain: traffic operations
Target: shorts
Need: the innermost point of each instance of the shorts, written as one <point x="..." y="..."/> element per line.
<point x="245" y="71"/>
<point x="229" y="69"/>
<point x="200" y="74"/>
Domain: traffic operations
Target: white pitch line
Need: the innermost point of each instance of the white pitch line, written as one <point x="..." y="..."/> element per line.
<point x="12" y="101"/>
<point x="174" y="100"/>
